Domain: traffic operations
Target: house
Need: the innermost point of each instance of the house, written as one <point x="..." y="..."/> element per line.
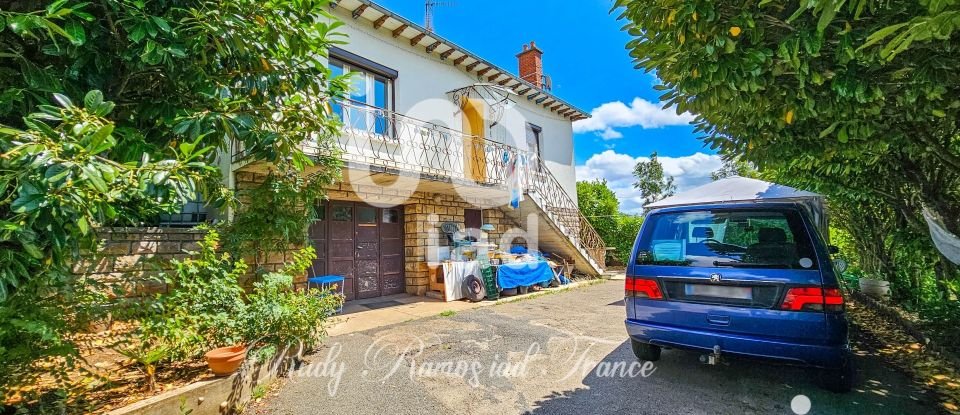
<point x="431" y="134"/>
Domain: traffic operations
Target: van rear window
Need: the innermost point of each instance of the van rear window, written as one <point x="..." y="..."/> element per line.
<point x="727" y="238"/>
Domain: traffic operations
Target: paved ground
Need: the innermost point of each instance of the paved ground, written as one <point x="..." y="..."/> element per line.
<point x="560" y="353"/>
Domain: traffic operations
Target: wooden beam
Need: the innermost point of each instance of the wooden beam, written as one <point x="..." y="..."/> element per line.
<point x="472" y="65"/>
<point x="484" y="71"/>
<point x="504" y="82"/>
<point x="379" y="22"/>
<point x="556" y="107"/>
<point x="494" y="76"/>
<point x="399" y="30"/>
<point x="524" y="88"/>
<point x="541" y="99"/>
<point x="358" y="11"/>
<point x="460" y="60"/>
<point x="533" y="95"/>
<point x="416" y="39"/>
<point x="433" y="46"/>
<point x="447" y="54"/>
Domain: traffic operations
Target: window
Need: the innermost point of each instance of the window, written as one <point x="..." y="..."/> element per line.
<point x="367" y="215"/>
<point x="342" y="213"/>
<point x="533" y="139"/>
<point x="391" y="216"/>
<point x="727" y="238"/>
<point x="370" y="93"/>
<point x="193" y="213"/>
<point x="472" y="219"/>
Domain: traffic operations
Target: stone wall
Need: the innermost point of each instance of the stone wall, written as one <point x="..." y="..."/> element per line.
<point x="130" y="259"/>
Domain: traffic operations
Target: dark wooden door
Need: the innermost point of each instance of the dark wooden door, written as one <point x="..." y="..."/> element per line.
<point x="343" y="247"/>
<point x="367" y="266"/>
<point x="391" y="250"/>
<point x="362" y="243"/>
<point x="318" y="237"/>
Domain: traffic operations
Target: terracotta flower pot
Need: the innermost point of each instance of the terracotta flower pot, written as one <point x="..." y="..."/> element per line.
<point x="224" y="361"/>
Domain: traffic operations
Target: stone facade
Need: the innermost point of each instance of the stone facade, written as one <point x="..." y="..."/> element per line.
<point x="130" y="259"/>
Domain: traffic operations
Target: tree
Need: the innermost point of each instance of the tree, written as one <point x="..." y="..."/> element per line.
<point x="810" y="90"/>
<point x="56" y="185"/>
<point x="600" y="206"/>
<point x="249" y="71"/>
<point x="854" y="99"/>
<point x="184" y="83"/>
<point x="735" y="167"/>
<point x="652" y="182"/>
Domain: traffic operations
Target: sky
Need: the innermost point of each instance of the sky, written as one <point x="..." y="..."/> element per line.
<point x="584" y="54"/>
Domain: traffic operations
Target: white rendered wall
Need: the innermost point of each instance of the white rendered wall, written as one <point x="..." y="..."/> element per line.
<point x="421" y="92"/>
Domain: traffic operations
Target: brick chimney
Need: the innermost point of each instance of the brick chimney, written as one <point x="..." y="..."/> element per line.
<point x="531" y="64"/>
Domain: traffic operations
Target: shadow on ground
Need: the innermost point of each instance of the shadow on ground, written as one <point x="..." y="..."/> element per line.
<point x="680" y="384"/>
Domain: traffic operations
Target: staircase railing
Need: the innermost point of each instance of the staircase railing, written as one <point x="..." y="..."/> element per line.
<point x="565" y="212"/>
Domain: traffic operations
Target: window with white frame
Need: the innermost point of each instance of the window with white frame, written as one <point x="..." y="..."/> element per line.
<point x="369" y="97"/>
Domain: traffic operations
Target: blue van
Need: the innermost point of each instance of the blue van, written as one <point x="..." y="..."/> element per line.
<point x="751" y="280"/>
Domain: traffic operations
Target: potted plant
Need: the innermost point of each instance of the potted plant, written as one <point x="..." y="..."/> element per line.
<point x="224" y="361"/>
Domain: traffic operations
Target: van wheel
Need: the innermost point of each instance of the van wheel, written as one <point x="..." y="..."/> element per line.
<point x="645" y="352"/>
<point x="838" y="380"/>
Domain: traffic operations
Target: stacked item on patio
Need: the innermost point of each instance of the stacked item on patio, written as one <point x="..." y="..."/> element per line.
<point x="470" y="268"/>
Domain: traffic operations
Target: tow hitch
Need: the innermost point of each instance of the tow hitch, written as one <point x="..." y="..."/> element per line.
<point x="713" y="358"/>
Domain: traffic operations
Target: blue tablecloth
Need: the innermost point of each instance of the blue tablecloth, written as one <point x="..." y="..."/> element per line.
<point x="523" y="275"/>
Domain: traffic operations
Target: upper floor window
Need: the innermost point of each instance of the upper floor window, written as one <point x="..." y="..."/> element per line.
<point x="371" y="91"/>
<point x="534" y="139"/>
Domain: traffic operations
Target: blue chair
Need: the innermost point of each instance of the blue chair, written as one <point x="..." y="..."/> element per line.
<point x="325" y="282"/>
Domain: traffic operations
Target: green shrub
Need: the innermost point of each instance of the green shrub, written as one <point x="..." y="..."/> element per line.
<point x="279" y="315"/>
<point x="203" y="306"/>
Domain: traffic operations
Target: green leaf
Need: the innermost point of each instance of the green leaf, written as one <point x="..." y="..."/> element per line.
<point x="829" y="130"/>
<point x="162" y="24"/>
<point x="26" y="203"/>
<point x="826" y="16"/>
<point x="63" y="100"/>
<point x="842" y="135"/>
<point x="83" y="225"/>
<point x="881" y="34"/>
<point x="93" y="99"/>
<point x="77" y="34"/>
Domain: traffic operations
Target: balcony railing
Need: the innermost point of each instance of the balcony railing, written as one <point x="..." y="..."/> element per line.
<point x="383" y="139"/>
<point x="388" y="140"/>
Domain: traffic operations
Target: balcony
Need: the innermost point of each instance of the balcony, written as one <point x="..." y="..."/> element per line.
<point x="381" y="142"/>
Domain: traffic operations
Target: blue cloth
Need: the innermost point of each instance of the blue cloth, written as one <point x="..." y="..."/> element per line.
<point x="523" y="275"/>
<point x="518" y="249"/>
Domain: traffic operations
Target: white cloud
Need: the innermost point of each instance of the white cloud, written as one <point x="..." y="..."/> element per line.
<point x="640" y="112"/>
<point x="610" y="134"/>
<point x="688" y="172"/>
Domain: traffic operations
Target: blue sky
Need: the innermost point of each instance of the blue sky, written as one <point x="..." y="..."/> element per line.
<point x="585" y="56"/>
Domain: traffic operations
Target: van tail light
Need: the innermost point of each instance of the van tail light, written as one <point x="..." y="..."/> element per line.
<point x="813" y="299"/>
<point x="643" y="288"/>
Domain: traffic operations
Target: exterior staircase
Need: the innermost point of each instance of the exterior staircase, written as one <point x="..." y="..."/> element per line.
<point x="561" y="228"/>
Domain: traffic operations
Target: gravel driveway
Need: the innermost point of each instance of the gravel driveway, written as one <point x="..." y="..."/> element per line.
<point x="559" y="353"/>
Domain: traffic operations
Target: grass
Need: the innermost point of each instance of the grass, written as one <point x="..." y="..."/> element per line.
<point x="259" y="391"/>
<point x="448" y="313"/>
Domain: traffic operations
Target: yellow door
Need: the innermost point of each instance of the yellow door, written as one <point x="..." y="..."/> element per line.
<point x="474" y="153"/>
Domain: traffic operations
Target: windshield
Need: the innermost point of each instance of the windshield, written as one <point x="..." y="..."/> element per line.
<point x="768" y="238"/>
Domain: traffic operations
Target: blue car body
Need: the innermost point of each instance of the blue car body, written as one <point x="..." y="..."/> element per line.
<point x="762" y="329"/>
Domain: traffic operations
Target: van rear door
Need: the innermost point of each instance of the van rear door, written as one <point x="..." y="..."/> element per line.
<point x="729" y="270"/>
